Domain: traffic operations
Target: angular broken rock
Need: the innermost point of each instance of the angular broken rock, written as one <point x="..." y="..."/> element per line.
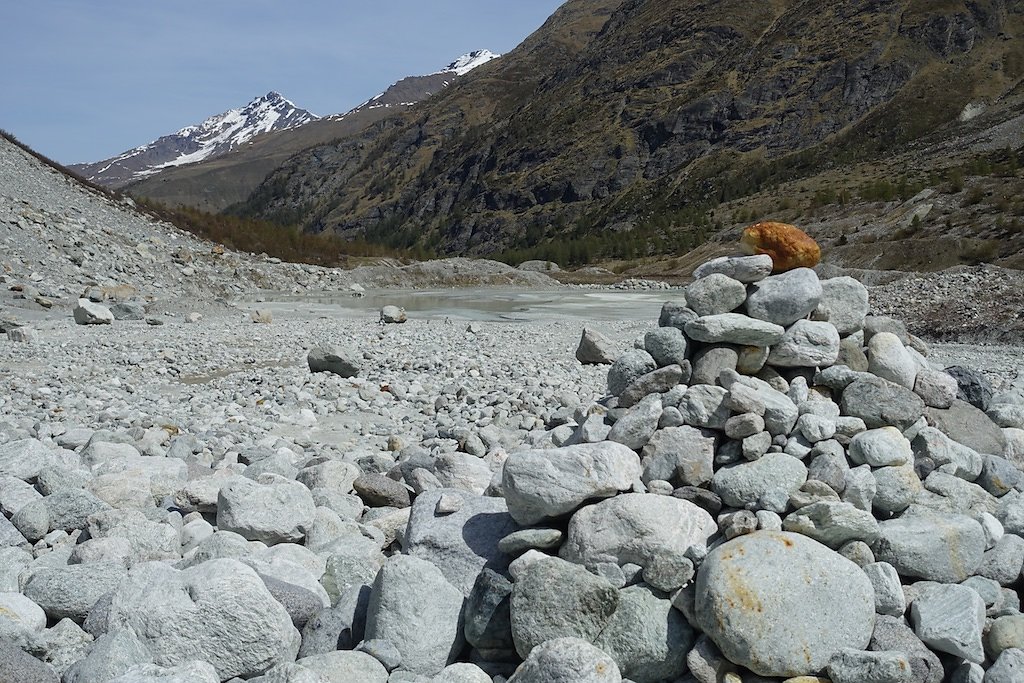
<point x="767" y="482"/>
<point x="463" y="542"/>
<point x="595" y="348"/>
<point x="950" y="619"/>
<point x="806" y="344"/>
<point x="844" y="303"/>
<point x="784" y="299"/>
<point x="881" y="403"/>
<point x="392" y="315"/>
<point x="88" y="313"/>
<point x="219" y="611"/>
<point x="715" y="293"/>
<point x="746" y="269"/>
<point x="279" y="511"/>
<point x="546" y="484"/>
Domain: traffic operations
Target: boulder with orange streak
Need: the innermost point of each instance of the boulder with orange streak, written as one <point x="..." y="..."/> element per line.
<point x="789" y="246"/>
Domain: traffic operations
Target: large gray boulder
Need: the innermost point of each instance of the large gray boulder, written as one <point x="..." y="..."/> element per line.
<point x="546" y="484"/>
<point x="882" y="447"/>
<point x="339" y="360"/>
<point x="833" y="523"/>
<point x="419" y="611"/>
<point x="553" y="598"/>
<point x="889" y="359"/>
<point x="25" y="458"/>
<point x="17" y="666"/>
<point x="844" y="303"/>
<point x="767" y="483"/>
<point x="19" y="616"/>
<point x="806" y="344"/>
<point x="785" y="298"/>
<point x="487" y="616"/>
<point x="716" y="293"/>
<point x="638" y="424"/>
<point x="219" y="611"/>
<point x="667" y="346"/>
<point x="746" y="269"/>
<point x="71" y="591"/>
<point x="647" y="637"/>
<point x="857" y="666"/>
<point x="279" y="511"/>
<point x="344" y="666"/>
<point x="969" y="426"/>
<point x="928" y="545"/>
<point x="627" y="368"/>
<point x="881" y="403"/>
<point x="635" y="528"/>
<point x="768" y="600"/>
<point x="111" y="655"/>
<point x="567" y="660"/>
<point x="893" y="635"/>
<point x="190" y="672"/>
<point x="683" y="455"/>
<point x="1008" y="668"/>
<point x="461" y="543"/>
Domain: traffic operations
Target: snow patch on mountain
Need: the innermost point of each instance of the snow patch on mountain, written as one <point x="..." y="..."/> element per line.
<point x="214" y="136"/>
<point x="466" y="63"/>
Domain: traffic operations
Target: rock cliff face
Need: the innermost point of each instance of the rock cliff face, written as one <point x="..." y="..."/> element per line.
<point x="622" y="115"/>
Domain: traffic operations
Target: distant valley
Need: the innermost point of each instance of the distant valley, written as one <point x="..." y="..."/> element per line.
<point x="630" y="132"/>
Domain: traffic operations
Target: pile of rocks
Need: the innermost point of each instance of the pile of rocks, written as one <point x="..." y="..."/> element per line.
<point x="820" y="455"/>
<point x="776" y="485"/>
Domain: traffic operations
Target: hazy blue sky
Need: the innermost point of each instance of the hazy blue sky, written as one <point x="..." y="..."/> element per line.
<point x="82" y="80"/>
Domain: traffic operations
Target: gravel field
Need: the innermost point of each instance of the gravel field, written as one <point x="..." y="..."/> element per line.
<point x="220" y="468"/>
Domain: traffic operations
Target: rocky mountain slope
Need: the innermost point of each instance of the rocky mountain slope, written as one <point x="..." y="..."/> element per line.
<point x="213" y="137"/>
<point x="629" y="122"/>
<point x="225" y="178"/>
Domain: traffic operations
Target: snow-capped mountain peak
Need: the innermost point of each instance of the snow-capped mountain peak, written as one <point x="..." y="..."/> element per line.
<point x="466" y="63"/>
<point x="214" y="136"/>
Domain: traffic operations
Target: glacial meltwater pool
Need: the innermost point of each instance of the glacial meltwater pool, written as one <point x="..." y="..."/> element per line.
<point x="480" y="303"/>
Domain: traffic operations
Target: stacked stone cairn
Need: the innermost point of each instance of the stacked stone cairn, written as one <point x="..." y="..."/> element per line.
<point x="813" y="497"/>
<point x="778" y="487"/>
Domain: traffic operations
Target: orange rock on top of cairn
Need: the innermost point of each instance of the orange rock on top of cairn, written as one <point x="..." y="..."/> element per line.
<point x="789" y="246"/>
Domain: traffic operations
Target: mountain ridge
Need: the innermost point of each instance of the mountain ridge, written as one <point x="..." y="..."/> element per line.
<point x="228" y="177"/>
<point x="632" y="120"/>
<point x="214" y="136"/>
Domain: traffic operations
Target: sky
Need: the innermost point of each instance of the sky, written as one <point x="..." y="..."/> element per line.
<point x="83" y="80"/>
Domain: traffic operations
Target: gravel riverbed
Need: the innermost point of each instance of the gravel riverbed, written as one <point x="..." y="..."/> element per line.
<point x="184" y="497"/>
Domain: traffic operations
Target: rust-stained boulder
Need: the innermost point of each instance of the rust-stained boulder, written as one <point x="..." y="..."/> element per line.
<point x="789" y="246"/>
<point x="769" y="601"/>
